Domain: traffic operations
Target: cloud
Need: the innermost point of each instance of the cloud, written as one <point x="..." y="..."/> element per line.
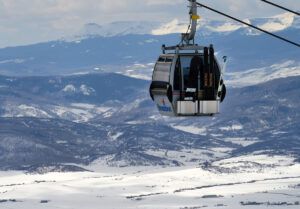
<point x="162" y="2"/>
<point x="42" y="20"/>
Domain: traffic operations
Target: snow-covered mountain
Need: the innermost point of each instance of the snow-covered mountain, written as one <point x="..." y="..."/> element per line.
<point x="84" y="84"/>
<point x="132" y="50"/>
<point x="248" y="182"/>
<point x="77" y="122"/>
<point x="99" y="138"/>
<point x="118" y="28"/>
<point x="272" y="24"/>
<point x="53" y="120"/>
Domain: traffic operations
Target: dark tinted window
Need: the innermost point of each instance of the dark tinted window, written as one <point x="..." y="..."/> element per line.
<point x="161" y="59"/>
<point x="185" y="62"/>
<point x="185" y="65"/>
<point x="169" y="59"/>
<point x="165" y="59"/>
<point x="217" y="75"/>
<point x="177" y="76"/>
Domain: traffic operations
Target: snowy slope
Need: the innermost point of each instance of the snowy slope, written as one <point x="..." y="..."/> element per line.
<point x="262" y="118"/>
<point x="263" y="182"/>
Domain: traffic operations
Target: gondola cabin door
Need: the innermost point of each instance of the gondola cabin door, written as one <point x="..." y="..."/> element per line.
<point x="195" y="86"/>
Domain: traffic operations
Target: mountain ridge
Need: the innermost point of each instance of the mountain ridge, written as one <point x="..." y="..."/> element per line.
<point x="121" y="54"/>
<point x="263" y="119"/>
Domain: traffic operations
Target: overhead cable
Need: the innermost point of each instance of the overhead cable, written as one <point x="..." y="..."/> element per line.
<point x="252" y="26"/>
<point x="281" y="7"/>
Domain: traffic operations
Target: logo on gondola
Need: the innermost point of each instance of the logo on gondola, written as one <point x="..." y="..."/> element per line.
<point x="164" y="108"/>
<point x="163" y="101"/>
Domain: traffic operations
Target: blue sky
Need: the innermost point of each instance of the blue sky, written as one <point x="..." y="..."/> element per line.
<point x="31" y="21"/>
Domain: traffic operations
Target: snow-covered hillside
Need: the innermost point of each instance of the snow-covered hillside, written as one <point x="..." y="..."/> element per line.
<point x="261" y="181"/>
<point x="113" y="116"/>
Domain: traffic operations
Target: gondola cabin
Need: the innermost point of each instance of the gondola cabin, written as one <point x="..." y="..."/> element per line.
<point x="188" y="82"/>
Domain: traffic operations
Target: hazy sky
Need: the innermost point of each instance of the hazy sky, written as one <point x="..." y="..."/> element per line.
<point x="31" y="21"/>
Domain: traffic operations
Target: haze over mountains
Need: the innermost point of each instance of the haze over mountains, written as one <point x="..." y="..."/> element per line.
<point x="86" y="90"/>
<point x="132" y="50"/>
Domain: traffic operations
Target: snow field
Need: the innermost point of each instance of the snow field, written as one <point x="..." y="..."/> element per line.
<point x="157" y="187"/>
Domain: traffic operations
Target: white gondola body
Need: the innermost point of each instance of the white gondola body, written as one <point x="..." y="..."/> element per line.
<point x="169" y="99"/>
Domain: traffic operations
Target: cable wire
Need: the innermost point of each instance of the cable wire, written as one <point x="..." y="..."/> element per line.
<point x="281" y="7"/>
<point x="252" y="26"/>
